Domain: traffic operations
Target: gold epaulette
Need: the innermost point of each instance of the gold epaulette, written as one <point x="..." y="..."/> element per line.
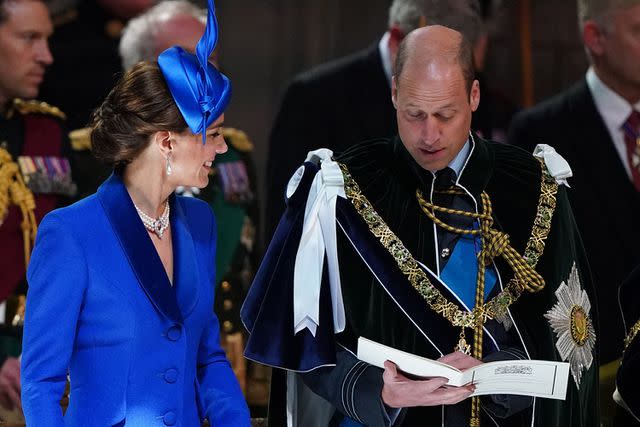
<point x="14" y="191"/>
<point x="37" y="107"/>
<point x="238" y="139"/>
<point x="80" y="139"/>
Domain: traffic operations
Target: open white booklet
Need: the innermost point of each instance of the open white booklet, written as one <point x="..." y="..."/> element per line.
<point x="539" y="378"/>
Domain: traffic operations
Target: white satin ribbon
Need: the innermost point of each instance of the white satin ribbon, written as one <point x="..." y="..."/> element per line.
<point x="319" y="237"/>
<point x="557" y="166"/>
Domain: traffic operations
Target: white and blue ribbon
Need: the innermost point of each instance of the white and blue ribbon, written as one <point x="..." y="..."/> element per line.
<point x="319" y="238"/>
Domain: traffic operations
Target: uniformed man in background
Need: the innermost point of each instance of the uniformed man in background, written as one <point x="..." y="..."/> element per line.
<point x="35" y="172"/>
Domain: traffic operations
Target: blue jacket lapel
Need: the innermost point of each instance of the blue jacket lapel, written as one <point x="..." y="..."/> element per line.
<point x="185" y="264"/>
<point x="137" y="246"/>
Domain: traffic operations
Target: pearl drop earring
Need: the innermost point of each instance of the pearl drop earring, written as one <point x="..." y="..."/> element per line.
<point x="169" y="168"/>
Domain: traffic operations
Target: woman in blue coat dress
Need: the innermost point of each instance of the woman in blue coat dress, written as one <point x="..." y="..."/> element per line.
<point x="121" y="283"/>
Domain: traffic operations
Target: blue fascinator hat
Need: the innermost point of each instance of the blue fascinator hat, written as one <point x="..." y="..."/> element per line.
<point x="200" y="91"/>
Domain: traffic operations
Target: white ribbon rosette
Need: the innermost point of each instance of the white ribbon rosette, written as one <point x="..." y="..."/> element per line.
<point x="318" y="238"/>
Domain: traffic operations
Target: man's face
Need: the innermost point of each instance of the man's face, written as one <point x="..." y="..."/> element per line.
<point x="182" y="30"/>
<point x="620" y="57"/>
<point x="24" y="49"/>
<point x="434" y="111"/>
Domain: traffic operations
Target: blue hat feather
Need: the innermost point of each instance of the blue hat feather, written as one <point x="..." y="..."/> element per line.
<point x="200" y="91"/>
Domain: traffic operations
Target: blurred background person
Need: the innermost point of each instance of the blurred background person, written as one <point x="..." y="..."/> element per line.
<point x="35" y="172"/>
<point x="130" y="268"/>
<point x="231" y="192"/>
<point x="595" y="125"/>
<point x="493" y="116"/>
<point x="87" y="66"/>
<point x="85" y="45"/>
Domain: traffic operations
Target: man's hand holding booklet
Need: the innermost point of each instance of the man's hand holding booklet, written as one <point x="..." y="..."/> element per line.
<point x="538" y="378"/>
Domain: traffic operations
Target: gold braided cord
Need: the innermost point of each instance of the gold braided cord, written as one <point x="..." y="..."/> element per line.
<point x="494" y="243"/>
<point x="635" y="329"/>
<point x="13" y="190"/>
<point x="497" y="306"/>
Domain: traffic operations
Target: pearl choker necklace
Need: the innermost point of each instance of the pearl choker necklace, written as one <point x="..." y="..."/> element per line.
<point x="154" y="225"/>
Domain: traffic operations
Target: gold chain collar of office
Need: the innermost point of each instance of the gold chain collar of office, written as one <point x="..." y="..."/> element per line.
<point x="495" y="308"/>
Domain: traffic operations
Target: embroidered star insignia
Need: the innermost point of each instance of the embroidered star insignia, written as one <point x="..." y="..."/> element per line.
<point x="569" y="319"/>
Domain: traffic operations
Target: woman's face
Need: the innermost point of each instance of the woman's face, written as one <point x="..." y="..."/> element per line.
<point x="191" y="160"/>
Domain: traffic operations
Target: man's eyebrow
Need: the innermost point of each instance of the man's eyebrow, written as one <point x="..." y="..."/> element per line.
<point x="446" y="107"/>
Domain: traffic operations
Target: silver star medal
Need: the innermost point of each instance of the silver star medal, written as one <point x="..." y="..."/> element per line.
<point x="569" y="319"/>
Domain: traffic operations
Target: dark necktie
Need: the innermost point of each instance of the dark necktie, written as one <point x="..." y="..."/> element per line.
<point x="445" y="179"/>
<point x="631" y="129"/>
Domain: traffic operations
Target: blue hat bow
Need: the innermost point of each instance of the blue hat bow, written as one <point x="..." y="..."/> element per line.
<point x="200" y="91"/>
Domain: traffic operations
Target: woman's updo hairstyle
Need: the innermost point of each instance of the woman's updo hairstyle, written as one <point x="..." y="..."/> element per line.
<point x="138" y="106"/>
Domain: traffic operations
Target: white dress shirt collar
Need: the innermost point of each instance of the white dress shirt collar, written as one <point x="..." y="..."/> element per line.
<point x="614" y="111"/>
<point x="461" y="159"/>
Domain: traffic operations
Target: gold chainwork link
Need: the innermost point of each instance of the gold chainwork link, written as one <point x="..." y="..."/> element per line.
<point x="635" y="329"/>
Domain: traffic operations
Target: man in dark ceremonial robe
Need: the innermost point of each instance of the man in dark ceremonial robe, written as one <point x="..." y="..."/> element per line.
<point x="435" y="242"/>
<point x="627" y="394"/>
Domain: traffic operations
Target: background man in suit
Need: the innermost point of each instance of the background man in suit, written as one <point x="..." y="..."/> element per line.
<point x="594" y="124"/>
<point x="352" y="95"/>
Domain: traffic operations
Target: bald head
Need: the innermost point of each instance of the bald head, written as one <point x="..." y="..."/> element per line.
<point x="432" y="46"/>
<point x="435" y="95"/>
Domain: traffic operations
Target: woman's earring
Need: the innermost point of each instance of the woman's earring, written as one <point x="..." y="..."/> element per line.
<point x="169" y="168"/>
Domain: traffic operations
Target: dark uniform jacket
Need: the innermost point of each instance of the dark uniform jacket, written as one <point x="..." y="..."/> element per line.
<point x="231" y="194"/>
<point x="33" y="134"/>
<point x="382" y="305"/>
<point x="604" y="200"/>
<point x="335" y="105"/>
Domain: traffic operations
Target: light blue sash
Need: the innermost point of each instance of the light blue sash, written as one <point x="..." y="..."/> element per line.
<point x="461" y="272"/>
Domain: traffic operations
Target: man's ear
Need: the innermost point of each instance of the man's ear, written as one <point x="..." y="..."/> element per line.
<point x="593" y="38"/>
<point x="474" y="96"/>
<point x="394" y="92"/>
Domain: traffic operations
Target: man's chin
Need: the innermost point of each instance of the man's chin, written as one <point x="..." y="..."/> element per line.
<point x="28" y="93"/>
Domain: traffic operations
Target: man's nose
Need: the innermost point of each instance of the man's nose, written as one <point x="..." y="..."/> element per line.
<point x="430" y="130"/>
<point x="43" y="53"/>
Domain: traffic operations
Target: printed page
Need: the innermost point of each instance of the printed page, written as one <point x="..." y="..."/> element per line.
<point x="539" y="378"/>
